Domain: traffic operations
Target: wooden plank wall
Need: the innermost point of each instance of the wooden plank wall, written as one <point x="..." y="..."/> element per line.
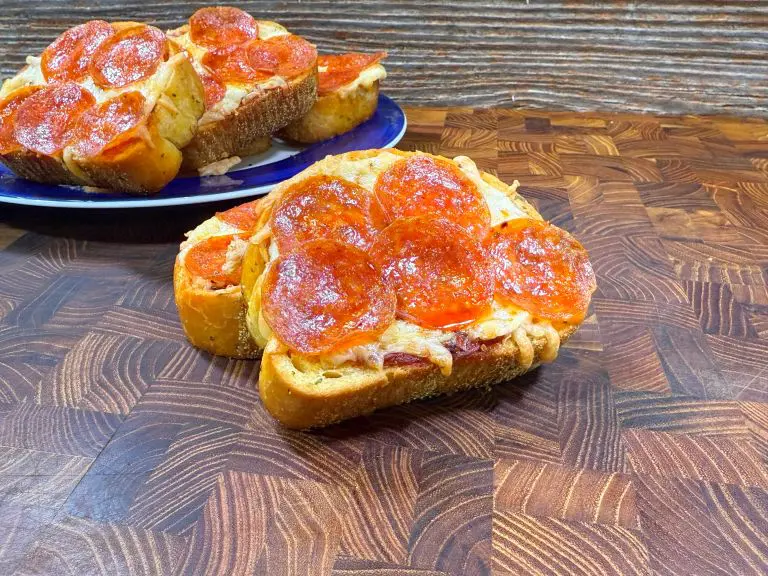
<point x="662" y="57"/>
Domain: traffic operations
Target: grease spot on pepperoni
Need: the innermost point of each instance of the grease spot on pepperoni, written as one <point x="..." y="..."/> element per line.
<point x="424" y="185"/>
<point x="45" y="120"/>
<point x="324" y="296"/>
<point x="541" y="269"/>
<point x="130" y="55"/>
<point x="440" y="273"/>
<point x="242" y="217"/>
<point x="106" y="122"/>
<point x="208" y="260"/>
<point x="68" y="57"/>
<point x="336" y="70"/>
<point x="323" y="207"/>
<point x="8" y="108"/>
<point x="220" y="26"/>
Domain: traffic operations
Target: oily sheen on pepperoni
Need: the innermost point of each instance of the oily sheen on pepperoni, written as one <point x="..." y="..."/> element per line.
<point x="440" y="273"/>
<point x="8" y="108"/>
<point x="324" y="296"/>
<point x="103" y="124"/>
<point x="44" y="120"/>
<point x="242" y="217"/>
<point x="542" y="269"/>
<point x="220" y="26"/>
<point x="340" y="69"/>
<point x="425" y="185"/>
<point x="68" y="57"/>
<point x="207" y="259"/>
<point x="234" y="64"/>
<point x="213" y="87"/>
<point x="128" y="56"/>
<point x="323" y="207"/>
<point x="286" y="56"/>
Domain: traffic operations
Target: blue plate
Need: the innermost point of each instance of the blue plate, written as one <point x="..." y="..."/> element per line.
<point x="251" y="177"/>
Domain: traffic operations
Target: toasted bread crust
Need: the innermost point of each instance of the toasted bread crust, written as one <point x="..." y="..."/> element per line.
<point x="39" y="167"/>
<point x="334" y="114"/>
<point x="254" y="119"/>
<point x="291" y="397"/>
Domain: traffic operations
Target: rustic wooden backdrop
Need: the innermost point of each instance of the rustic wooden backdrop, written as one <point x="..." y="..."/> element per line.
<point x="663" y="56"/>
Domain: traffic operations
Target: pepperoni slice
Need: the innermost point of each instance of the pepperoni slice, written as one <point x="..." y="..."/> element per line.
<point x="45" y="120"/>
<point x="293" y="54"/>
<point x="234" y="64"/>
<point x="213" y="87"/>
<point x="67" y="57"/>
<point x="219" y="26"/>
<point x="208" y="259"/>
<point x="440" y="273"/>
<point x="336" y="70"/>
<point x="324" y="296"/>
<point x="103" y="124"/>
<point x="128" y="56"/>
<point x="323" y="207"/>
<point x="8" y="108"/>
<point x="542" y="269"/>
<point x="243" y="217"/>
<point x="424" y="185"/>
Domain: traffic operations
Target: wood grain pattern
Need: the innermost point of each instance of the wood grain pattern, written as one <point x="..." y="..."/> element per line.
<point x="642" y="450"/>
<point x="687" y="56"/>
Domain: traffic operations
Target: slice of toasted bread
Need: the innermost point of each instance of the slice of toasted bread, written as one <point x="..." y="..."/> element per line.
<point x="143" y="161"/>
<point x="334" y="114"/>
<point x="311" y="391"/>
<point x="212" y="319"/>
<point x="250" y="112"/>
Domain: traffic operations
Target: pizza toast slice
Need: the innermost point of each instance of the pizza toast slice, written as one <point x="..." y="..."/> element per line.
<point x="378" y="277"/>
<point x="105" y="105"/>
<point x="258" y="78"/>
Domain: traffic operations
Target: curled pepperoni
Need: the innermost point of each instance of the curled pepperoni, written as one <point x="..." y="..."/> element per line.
<point x="336" y="70"/>
<point x="219" y="26"/>
<point x="440" y="273"/>
<point x="293" y="54"/>
<point x="323" y="207"/>
<point x="45" y="120"/>
<point x="68" y="57"/>
<point x="130" y="55"/>
<point x="8" y="108"/>
<point x="104" y="123"/>
<point x="542" y="269"/>
<point x="234" y="64"/>
<point x="242" y="217"/>
<point x="208" y="260"/>
<point x="324" y="296"/>
<point x="213" y="87"/>
<point x="424" y="185"/>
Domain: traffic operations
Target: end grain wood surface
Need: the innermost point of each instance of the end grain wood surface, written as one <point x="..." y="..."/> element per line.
<point x="679" y="56"/>
<point x="641" y="450"/>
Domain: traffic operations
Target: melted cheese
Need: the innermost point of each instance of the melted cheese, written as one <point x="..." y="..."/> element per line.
<point x="408" y="338"/>
<point x="366" y="78"/>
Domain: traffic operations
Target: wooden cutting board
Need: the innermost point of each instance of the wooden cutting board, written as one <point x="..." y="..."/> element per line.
<point x="641" y="449"/>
